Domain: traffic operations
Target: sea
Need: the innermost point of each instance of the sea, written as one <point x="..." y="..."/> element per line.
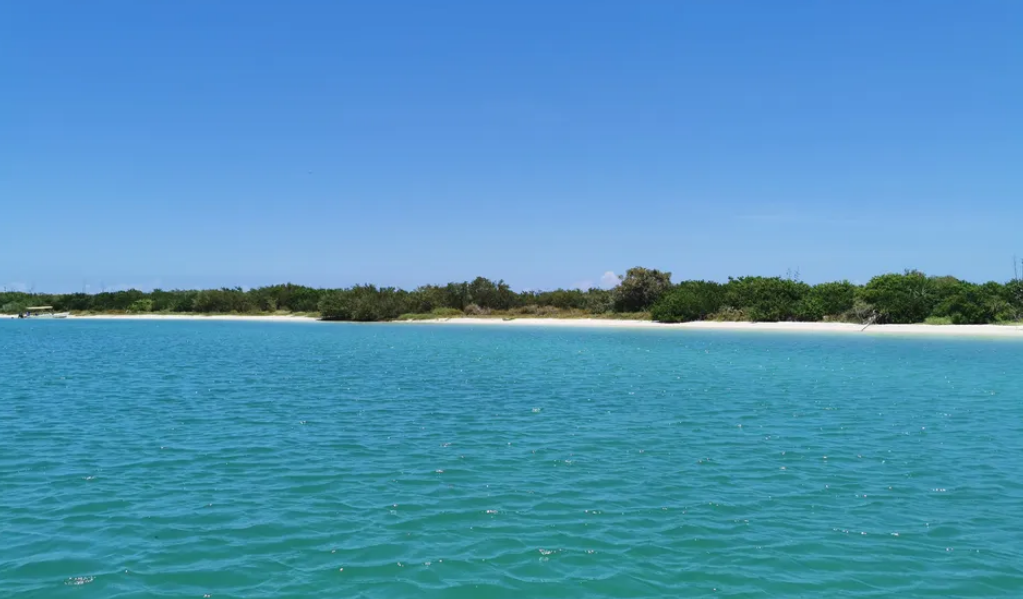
<point x="150" y="459"/>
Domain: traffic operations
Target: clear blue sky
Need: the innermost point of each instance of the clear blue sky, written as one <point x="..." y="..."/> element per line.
<point x="197" y="143"/>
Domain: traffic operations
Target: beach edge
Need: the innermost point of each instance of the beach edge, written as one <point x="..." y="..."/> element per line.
<point x="962" y="330"/>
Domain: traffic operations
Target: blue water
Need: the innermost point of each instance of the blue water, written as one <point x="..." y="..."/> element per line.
<point x="259" y="460"/>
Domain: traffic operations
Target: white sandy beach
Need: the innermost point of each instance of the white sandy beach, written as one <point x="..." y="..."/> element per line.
<point x="235" y="317"/>
<point x="979" y="330"/>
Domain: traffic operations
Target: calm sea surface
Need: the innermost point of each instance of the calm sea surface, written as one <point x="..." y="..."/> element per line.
<point x="240" y="459"/>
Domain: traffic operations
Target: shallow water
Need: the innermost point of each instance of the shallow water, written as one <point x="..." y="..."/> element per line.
<point x="184" y="459"/>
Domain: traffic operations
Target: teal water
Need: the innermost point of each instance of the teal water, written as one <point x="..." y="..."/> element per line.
<point x="259" y="460"/>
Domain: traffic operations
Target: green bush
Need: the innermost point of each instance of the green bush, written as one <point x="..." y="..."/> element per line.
<point x="688" y="301"/>
<point x="640" y="289"/>
<point x="364" y="303"/>
<point x="642" y="293"/>
<point x="141" y="306"/>
<point x="222" y="300"/>
<point x="834" y="298"/>
<point x="564" y="299"/>
<point x="475" y="310"/>
<point x="13" y="308"/>
<point x="428" y="298"/>
<point x="907" y="298"/>
<point x="810" y="309"/>
<point x="598" y="301"/>
<point x="967" y="305"/>
<point x="766" y="299"/>
<point x="729" y="314"/>
<point x="489" y="295"/>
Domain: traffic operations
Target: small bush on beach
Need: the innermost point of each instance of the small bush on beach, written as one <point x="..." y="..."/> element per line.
<point x="729" y="314"/>
<point x="412" y="316"/>
<point x="475" y="310"/>
<point x="527" y="310"/>
<point x="860" y="313"/>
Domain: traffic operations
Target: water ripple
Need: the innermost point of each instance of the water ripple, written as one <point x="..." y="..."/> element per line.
<point x="153" y="459"/>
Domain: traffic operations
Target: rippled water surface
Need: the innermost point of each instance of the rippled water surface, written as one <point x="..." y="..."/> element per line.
<point x="223" y="459"/>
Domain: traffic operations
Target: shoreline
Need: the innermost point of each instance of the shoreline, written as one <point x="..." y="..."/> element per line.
<point x="949" y="330"/>
<point x="953" y="330"/>
<point x="221" y="317"/>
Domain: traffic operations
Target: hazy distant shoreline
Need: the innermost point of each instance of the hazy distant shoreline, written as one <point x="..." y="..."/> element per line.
<point x="981" y="330"/>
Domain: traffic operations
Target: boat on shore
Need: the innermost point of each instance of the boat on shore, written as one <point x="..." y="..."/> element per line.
<point x="42" y="312"/>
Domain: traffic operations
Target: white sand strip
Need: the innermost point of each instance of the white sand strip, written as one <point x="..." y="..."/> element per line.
<point x="978" y="330"/>
<point x="966" y="330"/>
<point x="267" y="318"/>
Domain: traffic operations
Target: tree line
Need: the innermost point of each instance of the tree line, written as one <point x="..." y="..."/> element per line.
<point x="908" y="297"/>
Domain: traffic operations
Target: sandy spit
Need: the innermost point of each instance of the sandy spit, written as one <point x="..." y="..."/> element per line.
<point x="979" y="330"/>
<point x="274" y="318"/>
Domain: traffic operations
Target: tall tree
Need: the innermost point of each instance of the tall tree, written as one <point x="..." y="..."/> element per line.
<point x="639" y="289"/>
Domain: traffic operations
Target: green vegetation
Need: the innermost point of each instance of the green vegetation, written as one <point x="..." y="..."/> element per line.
<point x="277" y="298"/>
<point x="690" y="300"/>
<point x="909" y="297"/>
<point x="141" y="306"/>
<point x="639" y="289"/>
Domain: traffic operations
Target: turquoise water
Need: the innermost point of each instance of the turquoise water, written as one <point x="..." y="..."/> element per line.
<point x="185" y="459"/>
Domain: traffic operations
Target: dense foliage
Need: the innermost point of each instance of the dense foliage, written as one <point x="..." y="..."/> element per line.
<point x="690" y="300"/>
<point x="909" y="297"/>
<point x="639" y="289"/>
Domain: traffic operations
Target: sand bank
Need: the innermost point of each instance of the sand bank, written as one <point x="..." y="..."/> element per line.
<point x="979" y="330"/>
<point x="260" y="318"/>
